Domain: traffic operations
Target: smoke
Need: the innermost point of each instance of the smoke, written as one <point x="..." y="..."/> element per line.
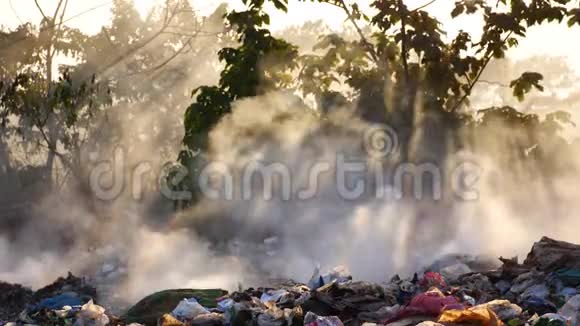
<point x="227" y="241"/>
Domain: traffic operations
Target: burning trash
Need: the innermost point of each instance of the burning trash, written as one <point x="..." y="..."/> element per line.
<point x="542" y="290"/>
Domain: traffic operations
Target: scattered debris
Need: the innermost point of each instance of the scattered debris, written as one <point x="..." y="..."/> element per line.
<point x="455" y="290"/>
<point x="571" y="310"/>
<point x="13" y="299"/>
<point x="92" y="315"/>
<point x="150" y="309"/>
<point x="188" y="309"/>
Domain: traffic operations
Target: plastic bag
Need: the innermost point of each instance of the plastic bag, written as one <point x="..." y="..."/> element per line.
<point x="273" y="295"/>
<point x="479" y="316"/>
<point x="58" y="302"/>
<point x="312" y="319"/>
<point x="273" y="316"/>
<point x="92" y="315"/>
<point x="339" y="274"/>
<point x="571" y="310"/>
<point x="433" y="279"/>
<point x="504" y="309"/>
<point x="188" y="309"/>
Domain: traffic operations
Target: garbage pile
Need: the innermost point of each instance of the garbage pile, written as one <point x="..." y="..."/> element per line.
<point x="542" y="290"/>
<point x="66" y="300"/>
<point x="13" y="299"/>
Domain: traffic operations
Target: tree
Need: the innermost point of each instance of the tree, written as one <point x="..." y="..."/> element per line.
<point x="135" y="72"/>
<point x="36" y="104"/>
<point x="400" y="70"/>
<point x="259" y="64"/>
<point x="407" y="52"/>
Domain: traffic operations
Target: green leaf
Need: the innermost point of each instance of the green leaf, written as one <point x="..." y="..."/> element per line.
<point x="524" y="84"/>
<point x="281" y="5"/>
<point x="458" y="10"/>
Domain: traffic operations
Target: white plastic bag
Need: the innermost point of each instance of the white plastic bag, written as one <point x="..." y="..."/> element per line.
<point x="92" y="315"/>
<point x="273" y="295"/>
<point x="188" y="309"/>
<point x="571" y="310"/>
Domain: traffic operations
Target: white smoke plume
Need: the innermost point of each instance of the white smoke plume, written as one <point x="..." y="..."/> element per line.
<point x="225" y="242"/>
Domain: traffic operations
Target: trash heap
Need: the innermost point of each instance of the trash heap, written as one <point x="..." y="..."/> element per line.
<point x="67" y="301"/>
<point x="542" y="290"/>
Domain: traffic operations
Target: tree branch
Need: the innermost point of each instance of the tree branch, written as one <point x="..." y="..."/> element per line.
<point x="404" y="50"/>
<point x="40" y="9"/>
<point x="56" y="31"/>
<point x="493" y="83"/>
<point x="56" y="12"/>
<point x="424" y="6"/>
<point x="340" y="4"/>
<point x="167" y="20"/>
<point x="165" y="62"/>
<point x="486" y="61"/>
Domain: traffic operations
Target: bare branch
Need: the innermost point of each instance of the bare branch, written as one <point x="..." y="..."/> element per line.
<point x="61" y="19"/>
<point x="44" y="28"/>
<point x="165" y="62"/>
<point x="340" y="4"/>
<point x="167" y="20"/>
<point x="423" y="6"/>
<point x="483" y="81"/>
<point x="196" y="34"/>
<point x="57" y="29"/>
<point x="40" y="9"/>
<point x="56" y="11"/>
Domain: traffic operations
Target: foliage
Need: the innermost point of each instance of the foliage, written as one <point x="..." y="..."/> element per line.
<point x="400" y="58"/>
<point x="399" y="66"/>
<point x="524" y="84"/>
<point x="260" y="63"/>
<point x="134" y="69"/>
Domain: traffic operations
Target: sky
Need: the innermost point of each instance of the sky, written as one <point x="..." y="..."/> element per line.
<point x="91" y="15"/>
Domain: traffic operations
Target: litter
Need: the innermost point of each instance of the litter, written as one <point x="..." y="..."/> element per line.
<point x="430" y="303"/>
<point x="273" y="316"/>
<point x="453" y="272"/>
<point x="151" y="308"/>
<point x="188" y="309"/>
<point x="312" y="319"/>
<point x="539" y="291"/>
<point x="92" y="315"/>
<point x="13" y="299"/>
<point x="57" y="303"/>
<point x="168" y="320"/>
<point x="568" y="293"/>
<point x="338" y="274"/>
<point x="273" y="295"/>
<point x="538" y="306"/>
<point x="211" y="319"/>
<point x="225" y="304"/>
<point x="510" y="294"/>
<point x="553" y="255"/>
<point x="478" y="315"/>
<point x="571" y="310"/>
<point x="551" y="320"/>
<point x="569" y="276"/>
<point x="504" y="309"/>
<point x="433" y="279"/>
